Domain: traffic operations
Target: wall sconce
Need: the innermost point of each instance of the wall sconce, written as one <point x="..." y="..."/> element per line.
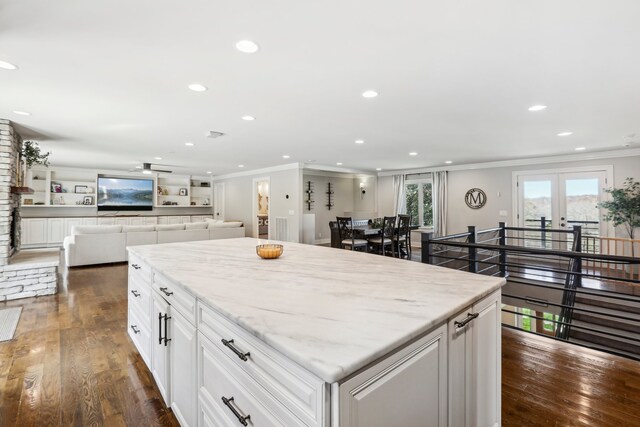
<point x="363" y="191"/>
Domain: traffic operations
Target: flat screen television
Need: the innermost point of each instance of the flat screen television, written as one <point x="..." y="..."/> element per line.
<point x="124" y="194"/>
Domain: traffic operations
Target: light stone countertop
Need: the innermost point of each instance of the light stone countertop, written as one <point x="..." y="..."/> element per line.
<point x="332" y="311"/>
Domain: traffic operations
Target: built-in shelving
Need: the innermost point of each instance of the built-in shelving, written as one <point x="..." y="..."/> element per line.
<point x="60" y="188"/>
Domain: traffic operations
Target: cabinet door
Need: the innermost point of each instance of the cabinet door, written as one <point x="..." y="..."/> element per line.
<point x="160" y="349"/>
<point x="486" y="387"/>
<point x="136" y="221"/>
<point x="34" y="231"/>
<point x="185" y="219"/>
<point x="474" y="365"/>
<point x="184" y="392"/>
<point x="106" y="221"/>
<point x="121" y="221"/>
<point x="150" y="220"/>
<point x="409" y="388"/>
<point x="174" y="220"/>
<point x="55" y="230"/>
<point x="163" y="220"/>
<point x="89" y="221"/>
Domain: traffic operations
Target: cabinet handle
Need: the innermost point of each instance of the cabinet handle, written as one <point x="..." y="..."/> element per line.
<point x="241" y="419"/>
<point x="166" y="319"/>
<point x="135" y="293"/>
<point x="134" y="329"/>
<point x="136" y="266"/>
<point x="166" y="292"/>
<point x="159" y="328"/>
<point x="241" y="355"/>
<point x="466" y="320"/>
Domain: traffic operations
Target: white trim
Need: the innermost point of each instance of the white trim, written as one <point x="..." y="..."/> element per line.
<point x="333" y="174"/>
<point x="521" y="162"/>
<point x="278" y="168"/>
<point x="322" y="241"/>
<point x="313" y="166"/>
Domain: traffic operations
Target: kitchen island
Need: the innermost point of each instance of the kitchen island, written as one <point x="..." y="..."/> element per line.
<point x="318" y="337"/>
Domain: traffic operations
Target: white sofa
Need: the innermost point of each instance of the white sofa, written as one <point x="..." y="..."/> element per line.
<point x="100" y="244"/>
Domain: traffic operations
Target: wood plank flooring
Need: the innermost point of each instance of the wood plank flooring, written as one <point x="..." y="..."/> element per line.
<point x="72" y="364"/>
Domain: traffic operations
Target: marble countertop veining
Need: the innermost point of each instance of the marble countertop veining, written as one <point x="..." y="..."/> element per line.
<point x="332" y="311"/>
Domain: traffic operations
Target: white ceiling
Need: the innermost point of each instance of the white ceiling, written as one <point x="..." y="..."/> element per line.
<point x="106" y="82"/>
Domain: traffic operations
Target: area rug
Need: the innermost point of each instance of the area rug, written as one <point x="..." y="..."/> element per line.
<point x="8" y="321"/>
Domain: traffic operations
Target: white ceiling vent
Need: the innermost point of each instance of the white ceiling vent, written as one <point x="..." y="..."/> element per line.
<point x="214" y="134"/>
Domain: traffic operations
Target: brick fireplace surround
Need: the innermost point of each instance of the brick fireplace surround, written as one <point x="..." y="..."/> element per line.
<point x="22" y="274"/>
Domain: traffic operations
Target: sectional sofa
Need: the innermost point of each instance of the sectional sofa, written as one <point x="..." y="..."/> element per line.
<point x="100" y="244"/>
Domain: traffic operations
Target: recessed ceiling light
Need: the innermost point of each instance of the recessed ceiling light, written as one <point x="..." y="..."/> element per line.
<point x="285" y="156"/>
<point x="378" y="169"/>
<point x="448" y="162"/>
<point x="158" y="158"/>
<point x="209" y="172"/>
<point x="146" y="172"/>
<point x="189" y="144"/>
<point x="339" y="164"/>
<point x="413" y="153"/>
<point x="247" y="46"/>
<point x="248" y="118"/>
<point x="138" y="167"/>
<point x="359" y="141"/>
<point x="537" y="107"/>
<point x="581" y="148"/>
<point x="197" y="87"/>
<point x="565" y="133"/>
<point x="22" y="113"/>
<point x="7" y="66"/>
<point x="369" y="94"/>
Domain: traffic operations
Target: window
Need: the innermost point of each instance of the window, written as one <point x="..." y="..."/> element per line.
<point x="419" y="194"/>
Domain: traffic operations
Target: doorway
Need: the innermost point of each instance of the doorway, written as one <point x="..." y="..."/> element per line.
<point x="261" y="208"/>
<point x="562" y="199"/>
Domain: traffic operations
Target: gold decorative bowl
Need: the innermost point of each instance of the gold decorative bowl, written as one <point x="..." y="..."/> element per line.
<point x="269" y="251"/>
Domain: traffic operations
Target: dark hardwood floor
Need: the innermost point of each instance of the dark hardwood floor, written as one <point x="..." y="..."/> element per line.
<point x="71" y="363"/>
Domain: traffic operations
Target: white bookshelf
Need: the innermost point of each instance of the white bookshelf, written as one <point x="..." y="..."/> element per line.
<point x="201" y="192"/>
<point x="169" y="189"/>
<point x="75" y="186"/>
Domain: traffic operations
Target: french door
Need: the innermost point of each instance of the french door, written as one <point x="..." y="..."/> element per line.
<point x="562" y="201"/>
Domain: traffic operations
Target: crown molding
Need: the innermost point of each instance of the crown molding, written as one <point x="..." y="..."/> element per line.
<point x="519" y="162"/>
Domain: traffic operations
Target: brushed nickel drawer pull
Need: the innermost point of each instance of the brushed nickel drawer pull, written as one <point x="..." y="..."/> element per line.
<point x="136" y="266"/>
<point x="135" y="329"/>
<point x="241" y="355"/>
<point x="243" y="420"/>
<point x="167" y="293"/>
<point x="466" y="320"/>
<point x="135" y="293"/>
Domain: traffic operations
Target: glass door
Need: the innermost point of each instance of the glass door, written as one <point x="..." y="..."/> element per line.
<point x="538" y="208"/>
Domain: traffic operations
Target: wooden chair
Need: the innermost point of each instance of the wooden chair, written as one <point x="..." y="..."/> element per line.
<point x="347" y="235"/>
<point x="385" y="239"/>
<point x="403" y="238"/>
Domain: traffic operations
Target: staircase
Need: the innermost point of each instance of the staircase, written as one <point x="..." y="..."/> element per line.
<point x="617" y="335"/>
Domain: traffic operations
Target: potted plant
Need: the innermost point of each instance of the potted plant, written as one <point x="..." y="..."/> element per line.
<point x="30" y="155"/>
<point x="624" y="208"/>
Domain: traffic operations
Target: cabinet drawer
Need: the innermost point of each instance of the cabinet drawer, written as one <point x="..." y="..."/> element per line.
<point x="220" y="378"/>
<point x="139" y="267"/>
<point x="140" y="298"/>
<point x="140" y="335"/>
<point x="181" y="300"/>
<point x="301" y="392"/>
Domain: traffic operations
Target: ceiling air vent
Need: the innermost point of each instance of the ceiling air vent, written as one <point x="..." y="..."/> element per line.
<point x="214" y="134"/>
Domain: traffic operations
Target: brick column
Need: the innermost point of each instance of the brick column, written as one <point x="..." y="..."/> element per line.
<point x="10" y="146"/>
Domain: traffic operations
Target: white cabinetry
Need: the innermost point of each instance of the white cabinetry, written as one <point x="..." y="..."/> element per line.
<point x="173" y="349"/>
<point x="55" y="230"/>
<point x="34" y="232"/>
<point x="475" y="365"/>
<point x="408" y="388"/>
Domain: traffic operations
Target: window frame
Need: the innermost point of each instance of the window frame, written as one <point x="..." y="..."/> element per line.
<point x="420" y="182"/>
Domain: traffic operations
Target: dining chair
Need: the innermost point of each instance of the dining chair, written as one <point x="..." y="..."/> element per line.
<point x="385" y="238"/>
<point x="347" y="235"/>
<point x="403" y="237"/>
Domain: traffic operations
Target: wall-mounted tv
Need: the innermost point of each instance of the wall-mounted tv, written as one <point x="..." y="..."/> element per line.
<point x="124" y="194"/>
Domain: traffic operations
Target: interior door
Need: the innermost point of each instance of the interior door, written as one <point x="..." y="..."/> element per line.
<point x="218" y="201"/>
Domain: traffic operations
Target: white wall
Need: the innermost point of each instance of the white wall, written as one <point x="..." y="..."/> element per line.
<point x="239" y="196"/>
<point x="497" y="184"/>
<point x="343" y="200"/>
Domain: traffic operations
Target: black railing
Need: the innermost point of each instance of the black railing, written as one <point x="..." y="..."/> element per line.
<point x="551" y="291"/>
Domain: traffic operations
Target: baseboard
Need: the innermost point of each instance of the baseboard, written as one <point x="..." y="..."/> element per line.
<point x="322" y="241"/>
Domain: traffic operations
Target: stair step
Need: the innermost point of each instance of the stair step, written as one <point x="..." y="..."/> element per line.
<point x="606" y="322"/>
<point x="605" y="340"/>
<point x="609" y="303"/>
<point x="603" y="348"/>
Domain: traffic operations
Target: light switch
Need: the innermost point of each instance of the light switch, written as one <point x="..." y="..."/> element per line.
<point x="291" y="212"/>
<point x="504" y="213"/>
